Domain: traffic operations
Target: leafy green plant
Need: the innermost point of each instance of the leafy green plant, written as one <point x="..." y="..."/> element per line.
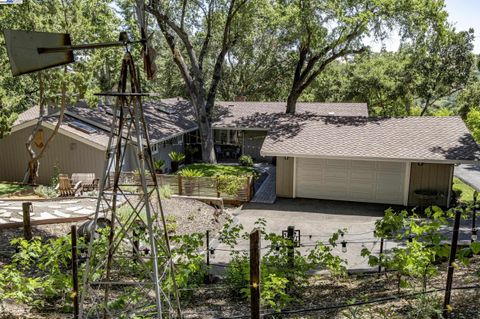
<point x="159" y="165"/>
<point x="176" y="156"/>
<point x="45" y="191"/>
<point x="165" y="191"/>
<point x="39" y="273"/>
<point x="246" y="160"/>
<point x="171" y="223"/>
<point x="55" y="175"/>
<point x="277" y="271"/>
<point x="423" y="245"/>
<point x="230" y="184"/>
<point x="189" y="172"/>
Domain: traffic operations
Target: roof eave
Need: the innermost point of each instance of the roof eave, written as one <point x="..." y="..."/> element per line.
<point x="385" y="159"/>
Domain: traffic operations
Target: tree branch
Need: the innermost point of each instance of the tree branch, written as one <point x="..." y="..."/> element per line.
<point x="226" y="44"/>
<point x="208" y="36"/>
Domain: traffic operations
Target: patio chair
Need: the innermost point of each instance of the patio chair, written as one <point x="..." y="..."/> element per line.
<point x="65" y="187"/>
<point x="89" y="181"/>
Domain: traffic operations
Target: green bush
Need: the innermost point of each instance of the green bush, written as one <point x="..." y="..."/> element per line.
<point x="189" y="172"/>
<point x="276" y="270"/>
<point x="55" y="176"/>
<point x="39" y="274"/>
<point x="46" y="191"/>
<point x="165" y="191"/>
<point x="176" y="156"/>
<point x="159" y="164"/>
<point x="230" y="184"/>
<point x="245" y="160"/>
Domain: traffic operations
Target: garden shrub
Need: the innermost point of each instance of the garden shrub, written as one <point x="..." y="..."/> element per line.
<point x="276" y="272"/>
<point x="230" y="184"/>
<point x="159" y="165"/>
<point x="425" y="245"/>
<point x="190" y="172"/>
<point x="165" y="191"/>
<point x="39" y="273"/>
<point x="245" y="160"/>
<point x="176" y="156"/>
<point x="45" y="191"/>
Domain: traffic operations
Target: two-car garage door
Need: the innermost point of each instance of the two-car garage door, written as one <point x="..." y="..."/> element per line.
<point x="361" y="181"/>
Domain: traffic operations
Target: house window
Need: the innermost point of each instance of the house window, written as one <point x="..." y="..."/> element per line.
<point x="154" y="148"/>
<point x="227" y="137"/>
<point x="177" y="140"/>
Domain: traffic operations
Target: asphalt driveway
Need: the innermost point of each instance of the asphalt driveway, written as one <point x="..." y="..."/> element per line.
<point x="317" y="220"/>
<point x="469" y="173"/>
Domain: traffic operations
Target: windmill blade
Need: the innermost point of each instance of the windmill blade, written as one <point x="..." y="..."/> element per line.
<point x="149" y="54"/>
<point x="23" y="50"/>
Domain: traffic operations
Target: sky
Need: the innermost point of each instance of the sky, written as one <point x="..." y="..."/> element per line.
<point x="463" y="14"/>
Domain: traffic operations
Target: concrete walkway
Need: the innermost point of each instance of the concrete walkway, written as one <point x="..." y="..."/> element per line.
<point x="266" y="194"/>
<point x="46" y="211"/>
<point x="470" y="174"/>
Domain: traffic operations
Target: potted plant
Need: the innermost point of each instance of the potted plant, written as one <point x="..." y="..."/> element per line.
<point x="176" y="158"/>
<point x="159" y="165"/>
<point x="189" y="175"/>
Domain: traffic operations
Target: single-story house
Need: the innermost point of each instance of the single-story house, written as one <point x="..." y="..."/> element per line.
<point x="82" y="139"/>
<point x="326" y="150"/>
<point x="405" y="161"/>
<point x="240" y="127"/>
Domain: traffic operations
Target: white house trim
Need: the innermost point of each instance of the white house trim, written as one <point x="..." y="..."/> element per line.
<point x="294" y="188"/>
<point x="450" y="183"/>
<point x="406" y="186"/>
<point x="380" y="159"/>
<point x="75" y="136"/>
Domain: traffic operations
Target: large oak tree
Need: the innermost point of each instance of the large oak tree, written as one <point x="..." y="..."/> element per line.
<point x="199" y="34"/>
<point x="323" y="31"/>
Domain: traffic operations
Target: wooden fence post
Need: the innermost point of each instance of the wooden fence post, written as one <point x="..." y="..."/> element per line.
<point x="451" y="260"/>
<point x="136" y="230"/>
<point x="255" y="274"/>
<point x="291" y="246"/>
<point x="179" y="184"/>
<point x="208" y="247"/>
<point x="27" y="227"/>
<point x="473" y="237"/>
<point x="73" y="232"/>
<point x="382" y="240"/>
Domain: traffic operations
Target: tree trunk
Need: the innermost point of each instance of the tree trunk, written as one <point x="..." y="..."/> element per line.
<point x="34" y="162"/>
<point x="206" y="132"/>
<point x="292" y="101"/>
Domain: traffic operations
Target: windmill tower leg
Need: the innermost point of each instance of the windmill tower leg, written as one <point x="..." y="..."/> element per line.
<point x="113" y="285"/>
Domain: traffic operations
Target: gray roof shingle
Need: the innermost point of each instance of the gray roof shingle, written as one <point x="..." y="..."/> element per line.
<point x="99" y="136"/>
<point x="408" y="138"/>
<point x="161" y="125"/>
<point x="28" y="115"/>
<point x="265" y="114"/>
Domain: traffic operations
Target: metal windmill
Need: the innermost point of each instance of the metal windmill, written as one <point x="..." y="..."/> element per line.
<point x="113" y="285"/>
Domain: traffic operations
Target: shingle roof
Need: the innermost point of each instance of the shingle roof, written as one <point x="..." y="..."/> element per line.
<point x="28" y="115"/>
<point x="161" y="125"/>
<point x="265" y="114"/>
<point x="409" y="138"/>
<point x="99" y="136"/>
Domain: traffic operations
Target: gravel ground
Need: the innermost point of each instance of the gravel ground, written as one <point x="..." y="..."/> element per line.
<point x="192" y="216"/>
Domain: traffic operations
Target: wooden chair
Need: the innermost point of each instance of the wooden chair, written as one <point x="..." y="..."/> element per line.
<point x="65" y="187"/>
<point x="88" y="180"/>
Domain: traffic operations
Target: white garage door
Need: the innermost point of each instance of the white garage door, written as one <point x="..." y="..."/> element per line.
<point x="362" y="181"/>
